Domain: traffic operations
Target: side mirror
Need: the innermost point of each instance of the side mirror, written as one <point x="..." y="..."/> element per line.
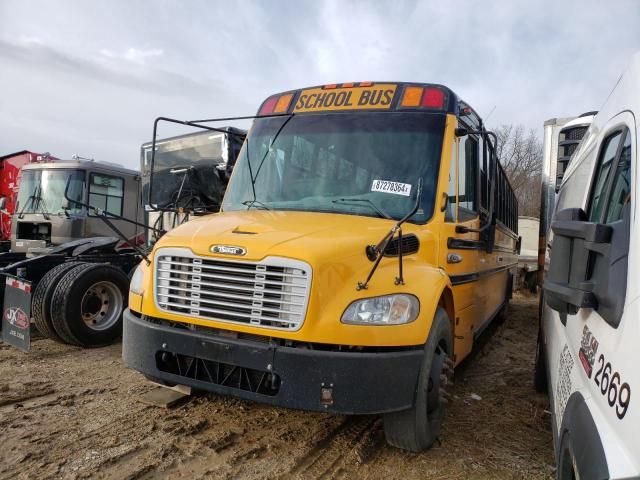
<point x="576" y="245"/>
<point x="519" y="245"/>
<point x="461" y="132"/>
<point x="65" y="205"/>
<point x="3" y="203"/>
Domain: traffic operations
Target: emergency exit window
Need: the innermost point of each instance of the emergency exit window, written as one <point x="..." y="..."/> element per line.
<point x="106" y="193"/>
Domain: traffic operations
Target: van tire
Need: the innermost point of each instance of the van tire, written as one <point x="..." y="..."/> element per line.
<point x="41" y="302"/>
<point x="566" y="460"/>
<point x="88" y="303"/>
<point x="540" y="383"/>
<point x="417" y="428"/>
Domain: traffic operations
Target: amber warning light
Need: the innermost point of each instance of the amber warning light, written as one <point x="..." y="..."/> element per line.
<point x="416" y="97"/>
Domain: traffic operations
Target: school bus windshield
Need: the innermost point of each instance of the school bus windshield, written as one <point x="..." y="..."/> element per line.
<point x="352" y="163"/>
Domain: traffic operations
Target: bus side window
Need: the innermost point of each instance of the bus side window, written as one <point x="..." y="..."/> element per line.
<point x="450" y="213"/>
<point x="467" y="181"/>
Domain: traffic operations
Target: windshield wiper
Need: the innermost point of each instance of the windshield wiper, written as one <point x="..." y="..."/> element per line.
<point x="376" y="252"/>
<point x="34" y="199"/>
<point x="366" y="201"/>
<point x="253" y="203"/>
<point x="254" y="178"/>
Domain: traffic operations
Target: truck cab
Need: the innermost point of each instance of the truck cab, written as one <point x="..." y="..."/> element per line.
<point x="590" y="305"/>
<point x="44" y="218"/>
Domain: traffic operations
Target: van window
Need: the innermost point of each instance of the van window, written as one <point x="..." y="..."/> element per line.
<point x="621" y="189"/>
<point x="607" y="155"/>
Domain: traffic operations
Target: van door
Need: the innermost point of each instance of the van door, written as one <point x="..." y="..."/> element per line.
<point x="592" y="360"/>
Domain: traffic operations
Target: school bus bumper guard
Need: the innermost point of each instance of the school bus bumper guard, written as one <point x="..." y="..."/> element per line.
<point x="341" y="382"/>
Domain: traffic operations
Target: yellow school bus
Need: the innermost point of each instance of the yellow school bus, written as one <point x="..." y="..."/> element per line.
<point x="366" y="238"/>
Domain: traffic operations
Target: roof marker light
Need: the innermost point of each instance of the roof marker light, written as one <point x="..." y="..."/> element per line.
<point x="283" y="103"/>
<point x="348" y="85"/>
<point x="433" y="97"/>
<point x="268" y="105"/>
<point x="411" y="97"/>
<point x="330" y="86"/>
<point x="366" y="84"/>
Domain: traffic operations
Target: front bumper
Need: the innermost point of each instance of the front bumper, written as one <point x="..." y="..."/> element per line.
<point x="340" y="382"/>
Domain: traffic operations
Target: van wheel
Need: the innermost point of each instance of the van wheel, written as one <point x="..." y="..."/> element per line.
<point x="540" y="367"/>
<point x="87" y="305"/>
<point x="41" y="303"/>
<point x="417" y="428"/>
<point x="566" y="461"/>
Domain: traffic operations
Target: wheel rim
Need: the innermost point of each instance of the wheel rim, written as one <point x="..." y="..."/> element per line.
<point x="101" y="306"/>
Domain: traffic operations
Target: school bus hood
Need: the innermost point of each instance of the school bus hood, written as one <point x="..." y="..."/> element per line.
<point x="301" y="235"/>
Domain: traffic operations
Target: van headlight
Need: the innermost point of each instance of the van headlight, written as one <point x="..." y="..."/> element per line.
<point x="137" y="279"/>
<point x="396" y="309"/>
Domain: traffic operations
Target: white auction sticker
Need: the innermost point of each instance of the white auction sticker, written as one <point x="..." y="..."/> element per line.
<point x="396" y="188"/>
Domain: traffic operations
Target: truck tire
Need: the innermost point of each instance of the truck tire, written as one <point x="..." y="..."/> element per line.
<point x="41" y="302"/>
<point x="87" y="305"/>
<point x="417" y="428"/>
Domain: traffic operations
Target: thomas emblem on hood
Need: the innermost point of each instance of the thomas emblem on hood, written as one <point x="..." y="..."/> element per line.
<point x="228" y="250"/>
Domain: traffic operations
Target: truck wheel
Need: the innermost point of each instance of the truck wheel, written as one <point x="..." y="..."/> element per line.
<point x="540" y="368"/>
<point x="41" y="302"/>
<point x="417" y="428"/>
<point x="87" y="305"/>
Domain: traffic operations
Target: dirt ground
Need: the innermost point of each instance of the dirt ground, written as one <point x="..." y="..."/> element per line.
<point x="72" y="413"/>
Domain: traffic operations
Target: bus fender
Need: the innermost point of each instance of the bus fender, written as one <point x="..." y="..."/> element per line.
<point x="580" y="442"/>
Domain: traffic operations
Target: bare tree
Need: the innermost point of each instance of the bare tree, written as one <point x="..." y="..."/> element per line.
<point x="520" y="154"/>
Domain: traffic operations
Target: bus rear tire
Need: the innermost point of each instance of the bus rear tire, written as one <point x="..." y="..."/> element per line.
<point x="41" y="303"/>
<point x="87" y="305"/>
<point x="417" y="428"/>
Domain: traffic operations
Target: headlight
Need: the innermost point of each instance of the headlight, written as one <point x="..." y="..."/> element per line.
<point x="135" y="286"/>
<point x="394" y="309"/>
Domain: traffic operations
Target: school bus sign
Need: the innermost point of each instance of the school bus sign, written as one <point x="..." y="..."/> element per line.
<point x="377" y="97"/>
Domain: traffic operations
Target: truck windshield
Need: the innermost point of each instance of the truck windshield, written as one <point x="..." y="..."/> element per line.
<point x="354" y="163"/>
<point x="42" y="191"/>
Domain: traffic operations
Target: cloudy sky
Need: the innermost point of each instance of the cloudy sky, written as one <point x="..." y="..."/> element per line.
<point x="89" y="77"/>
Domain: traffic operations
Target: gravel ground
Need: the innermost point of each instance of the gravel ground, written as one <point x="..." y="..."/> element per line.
<point x="72" y="413"/>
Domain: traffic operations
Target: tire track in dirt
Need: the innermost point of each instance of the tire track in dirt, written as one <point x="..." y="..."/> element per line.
<point x="352" y="443"/>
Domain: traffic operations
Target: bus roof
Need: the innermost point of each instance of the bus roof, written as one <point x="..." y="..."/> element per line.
<point x="369" y="96"/>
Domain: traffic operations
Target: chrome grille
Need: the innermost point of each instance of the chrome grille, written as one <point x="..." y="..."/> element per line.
<point x="272" y="293"/>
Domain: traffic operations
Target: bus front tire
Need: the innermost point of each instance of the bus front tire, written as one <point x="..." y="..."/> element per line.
<point x="417" y="428"/>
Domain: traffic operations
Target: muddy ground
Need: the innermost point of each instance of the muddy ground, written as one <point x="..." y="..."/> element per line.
<point x="72" y="413"/>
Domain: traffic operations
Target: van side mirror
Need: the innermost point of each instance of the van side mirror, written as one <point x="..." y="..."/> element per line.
<point x="582" y="272"/>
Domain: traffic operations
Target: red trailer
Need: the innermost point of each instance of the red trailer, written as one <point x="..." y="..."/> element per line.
<point x="10" y="166"/>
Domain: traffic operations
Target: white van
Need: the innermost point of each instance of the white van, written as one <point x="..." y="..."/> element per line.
<point x="589" y="342"/>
